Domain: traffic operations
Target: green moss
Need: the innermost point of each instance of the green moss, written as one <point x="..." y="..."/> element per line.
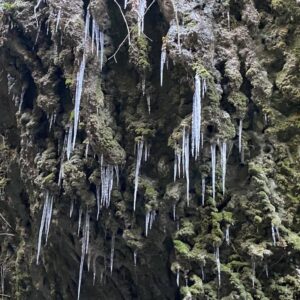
<point x="138" y="51"/>
<point x="150" y="192"/>
<point x="69" y="82"/>
<point x="199" y="69"/>
<point x="6" y="6"/>
<point x="49" y="178"/>
<point x="255" y="169"/>
<point x="257" y="219"/>
<point x="187" y="229"/>
<point x="291" y="238"/>
<point x="225" y="216"/>
<point x="182" y="248"/>
<point x="71" y="118"/>
<point x="239" y="101"/>
<point x="197" y="288"/>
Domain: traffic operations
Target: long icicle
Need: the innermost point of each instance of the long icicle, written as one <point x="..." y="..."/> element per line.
<point x="140" y="146"/>
<point x="196" y="118"/>
<point x="112" y="251"/>
<point x="186" y="159"/>
<point x="217" y="254"/>
<point x="101" y="49"/>
<point x="213" y="169"/>
<point x="69" y="142"/>
<point x="240" y="135"/>
<point x="58" y="20"/>
<point x="163" y="57"/>
<point x="87" y="28"/>
<point x="203" y="190"/>
<point x="223" y="164"/>
<point x="43" y="220"/>
<point x="84" y="249"/>
<point x="79" y="87"/>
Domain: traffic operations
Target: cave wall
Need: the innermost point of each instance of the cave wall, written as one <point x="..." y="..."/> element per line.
<point x="239" y="243"/>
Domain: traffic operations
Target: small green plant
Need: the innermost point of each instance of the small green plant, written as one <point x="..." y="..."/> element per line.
<point x="69" y="82"/>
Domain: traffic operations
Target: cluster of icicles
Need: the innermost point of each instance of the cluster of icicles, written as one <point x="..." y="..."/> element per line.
<point x="95" y="46"/>
<point x="192" y="142"/>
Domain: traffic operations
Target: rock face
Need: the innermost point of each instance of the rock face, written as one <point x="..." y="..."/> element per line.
<point x="83" y="147"/>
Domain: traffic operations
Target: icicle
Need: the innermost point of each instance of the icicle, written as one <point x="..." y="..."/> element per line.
<point x="267" y="270"/>
<point x="202" y="140"/>
<point x="223" y="164"/>
<point x="93" y="34"/>
<point x="116" y="167"/>
<point x="112" y="251"/>
<point x="87" y="150"/>
<point x="177" y="277"/>
<point x="107" y="180"/>
<point x="45" y="222"/>
<point x="51" y="121"/>
<point x="182" y="160"/>
<point x="228" y="20"/>
<point x="149" y="103"/>
<point x="266" y="119"/>
<point x="144" y="85"/>
<point x="134" y="257"/>
<point x="79" y="87"/>
<point x="202" y="273"/>
<point x="140" y="146"/>
<point x="273" y="235"/>
<point x="35" y="9"/>
<point x="101" y="49"/>
<point x="2" y="276"/>
<point x="146" y="152"/>
<point x="217" y="254"/>
<point x="125" y="3"/>
<point x="97" y="33"/>
<point x="84" y="249"/>
<point x="179" y="162"/>
<point x="48" y="27"/>
<point x="89" y="260"/>
<point x="174" y="211"/>
<point x="87" y="28"/>
<point x="22" y="98"/>
<point x="58" y="20"/>
<point x="94" y="269"/>
<point x="71" y="208"/>
<point x="79" y="220"/>
<point x="69" y="142"/>
<point x="163" y="57"/>
<point x="203" y="190"/>
<point x="147" y="221"/>
<point x="186" y="158"/>
<point x="141" y="9"/>
<point x="213" y="169"/>
<point x="227" y="235"/>
<point x="48" y="217"/>
<point x="196" y="118"/>
<point x="175" y="166"/>
<point x="253" y="274"/>
<point x="98" y="200"/>
<point x="152" y="218"/>
<point x="240" y="135"/>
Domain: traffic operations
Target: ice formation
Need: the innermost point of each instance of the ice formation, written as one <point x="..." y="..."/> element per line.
<point x="45" y="222"/>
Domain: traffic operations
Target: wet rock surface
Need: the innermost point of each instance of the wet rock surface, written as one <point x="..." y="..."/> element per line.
<point x="240" y="243"/>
